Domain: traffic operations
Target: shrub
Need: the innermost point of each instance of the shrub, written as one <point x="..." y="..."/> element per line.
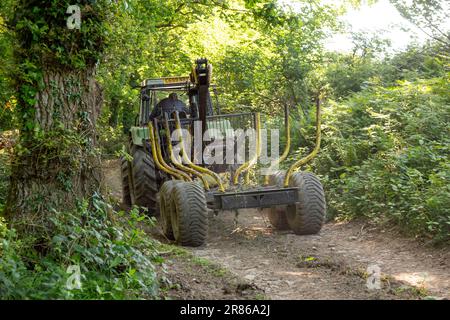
<point x="111" y="138"/>
<point x="115" y="258"/>
<point x="386" y="156"/>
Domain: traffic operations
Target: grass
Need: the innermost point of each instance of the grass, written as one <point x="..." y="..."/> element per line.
<point x="179" y="252"/>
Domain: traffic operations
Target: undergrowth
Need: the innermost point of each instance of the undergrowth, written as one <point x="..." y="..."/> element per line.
<point x="94" y="253"/>
<point x="386" y="156"/>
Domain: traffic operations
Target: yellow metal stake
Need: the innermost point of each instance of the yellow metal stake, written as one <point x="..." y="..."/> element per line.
<point x="313" y="153"/>
<point x="186" y="159"/>
<point x="178" y="163"/>
<point x="246" y="166"/>
<point x="159" y="161"/>
<point x="287" y="128"/>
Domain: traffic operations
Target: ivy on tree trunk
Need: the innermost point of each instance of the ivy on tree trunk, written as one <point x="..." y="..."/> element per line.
<point x="56" y="162"/>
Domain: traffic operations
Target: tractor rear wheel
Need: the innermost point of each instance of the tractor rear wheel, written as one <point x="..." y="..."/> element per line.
<point x="308" y="215"/>
<point x="277" y="215"/>
<point x="145" y="184"/>
<point x="125" y="169"/>
<point x="165" y="207"/>
<point x="189" y="214"/>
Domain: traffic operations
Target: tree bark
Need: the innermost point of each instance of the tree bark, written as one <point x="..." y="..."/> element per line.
<point x="56" y="164"/>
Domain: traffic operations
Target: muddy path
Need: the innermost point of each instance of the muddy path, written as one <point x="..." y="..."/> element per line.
<point x="330" y="265"/>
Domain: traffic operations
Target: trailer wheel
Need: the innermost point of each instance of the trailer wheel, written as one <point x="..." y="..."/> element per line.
<point x="308" y="215"/>
<point x="277" y="215"/>
<point x="189" y="214"/>
<point x="165" y="207"/>
<point x="145" y="185"/>
<point x="125" y="169"/>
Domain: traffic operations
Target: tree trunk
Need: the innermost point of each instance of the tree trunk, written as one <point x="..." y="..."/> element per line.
<point x="56" y="163"/>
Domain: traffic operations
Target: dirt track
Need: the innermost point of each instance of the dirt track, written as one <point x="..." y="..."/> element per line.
<point x="331" y="265"/>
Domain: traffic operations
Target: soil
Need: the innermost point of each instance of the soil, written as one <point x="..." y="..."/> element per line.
<point x="273" y="264"/>
<point x="190" y="277"/>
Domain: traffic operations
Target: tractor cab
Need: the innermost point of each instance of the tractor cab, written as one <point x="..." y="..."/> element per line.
<point x="190" y="96"/>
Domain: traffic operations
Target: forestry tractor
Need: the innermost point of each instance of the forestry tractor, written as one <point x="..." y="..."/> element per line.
<point x="176" y="183"/>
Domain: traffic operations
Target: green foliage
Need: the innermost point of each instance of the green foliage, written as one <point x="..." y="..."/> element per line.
<point x="348" y="74"/>
<point x="116" y="259"/>
<point x="7" y="68"/>
<point x="42" y="32"/>
<point x="430" y="16"/>
<point x="111" y="138"/>
<point x="41" y="43"/>
<point x="386" y="156"/>
<point x="428" y="61"/>
<point x="4" y="177"/>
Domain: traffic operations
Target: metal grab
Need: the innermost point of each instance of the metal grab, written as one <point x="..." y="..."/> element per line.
<point x="178" y="163"/>
<point x="159" y="161"/>
<point x="247" y="165"/>
<point x="186" y="159"/>
<point x="313" y="153"/>
<point x="287" y="127"/>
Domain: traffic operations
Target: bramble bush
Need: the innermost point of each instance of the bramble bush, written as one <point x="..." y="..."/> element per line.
<point x="116" y="259"/>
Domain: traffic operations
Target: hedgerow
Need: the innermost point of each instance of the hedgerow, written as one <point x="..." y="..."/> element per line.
<point x="386" y="156"/>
